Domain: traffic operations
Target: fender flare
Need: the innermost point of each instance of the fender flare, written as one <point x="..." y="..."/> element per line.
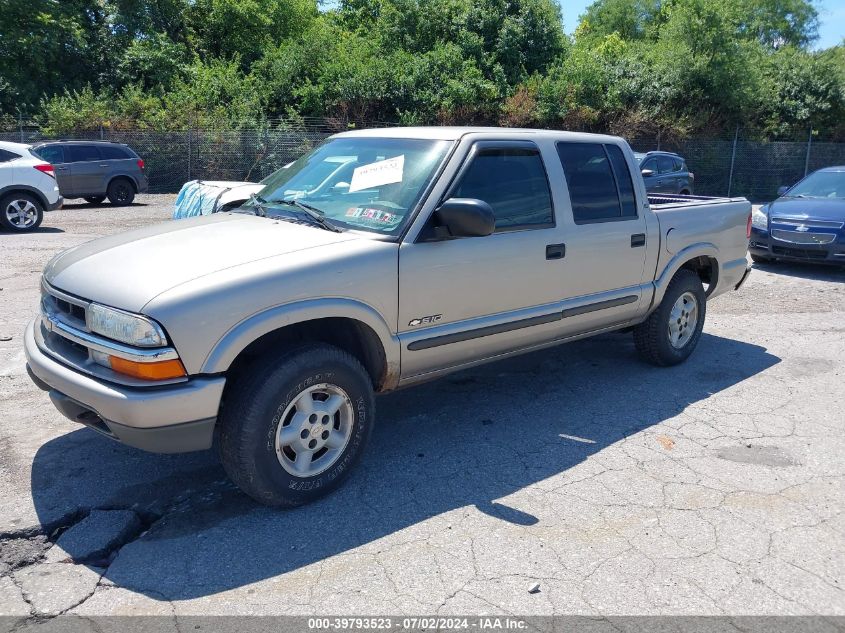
<point x="28" y="189"/>
<point x="698" y="249"/>
<point x="233" y="342"/>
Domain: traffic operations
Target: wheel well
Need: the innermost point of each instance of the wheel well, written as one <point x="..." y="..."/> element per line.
<point x="31" y="192"/>
<point x="350" y="335"/>
<point x="707" y="270"/>
<point x="127" y="178"/>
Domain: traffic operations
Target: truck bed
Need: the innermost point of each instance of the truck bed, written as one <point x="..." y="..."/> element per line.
<point x="663" y="201"/>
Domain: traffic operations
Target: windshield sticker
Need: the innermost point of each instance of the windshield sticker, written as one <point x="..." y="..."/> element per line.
<point x="383" y="172"/>
<point x="372" y="215"/>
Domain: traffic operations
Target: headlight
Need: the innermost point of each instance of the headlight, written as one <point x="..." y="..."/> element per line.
<point x="124" y="327"/>
<point x="760" y="219"/>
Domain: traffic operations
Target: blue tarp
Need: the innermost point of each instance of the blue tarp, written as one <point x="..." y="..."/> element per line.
<point x="197" y="198"/>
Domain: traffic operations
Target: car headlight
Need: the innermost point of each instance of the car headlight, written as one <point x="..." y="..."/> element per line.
<point x="760" y="219"/>
<point x="125" y="327"/>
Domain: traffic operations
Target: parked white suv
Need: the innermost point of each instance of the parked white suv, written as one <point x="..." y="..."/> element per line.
<point x="27" y="188"/>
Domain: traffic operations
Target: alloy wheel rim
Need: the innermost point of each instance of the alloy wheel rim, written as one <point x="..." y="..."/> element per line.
<point x="313" y="430"/>
<point x="682" y="320"/>
<point x="21" y="214"/>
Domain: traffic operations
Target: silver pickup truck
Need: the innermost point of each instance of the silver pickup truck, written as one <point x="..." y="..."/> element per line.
<point x="381" y="259"/>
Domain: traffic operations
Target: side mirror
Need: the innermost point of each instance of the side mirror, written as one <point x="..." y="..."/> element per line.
<point x="647" y="173"/>
<point x="463" y="217"/>
<point x="782" y="190"/>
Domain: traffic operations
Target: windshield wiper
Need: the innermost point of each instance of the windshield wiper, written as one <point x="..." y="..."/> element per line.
<point x="258" y="202"/>
<point x="312" y="212"/>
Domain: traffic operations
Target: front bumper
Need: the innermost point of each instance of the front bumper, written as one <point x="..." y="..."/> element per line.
<point x="173" y="418"/>
<point x="764" y="245"/>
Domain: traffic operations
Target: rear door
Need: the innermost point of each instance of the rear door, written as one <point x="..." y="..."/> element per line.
<point x="87" y="171"/>
<point x="55" y="155"/>
<point x="465" y="299"/>
<point x="606" y="239"/>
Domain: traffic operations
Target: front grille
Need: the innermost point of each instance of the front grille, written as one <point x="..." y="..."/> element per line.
<point x="799" y="252"/>
<point x="819" y="224"/>
<point x="66" y="308"/>
<point x="798" y="237"/>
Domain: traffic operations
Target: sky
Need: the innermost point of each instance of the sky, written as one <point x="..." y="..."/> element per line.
<point x="831" y="19"/>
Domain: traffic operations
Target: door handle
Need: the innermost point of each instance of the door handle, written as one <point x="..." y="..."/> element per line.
<point x="637" y="239"/>
<point x="61" y="168"/>
<point x="103" y="165"/>
<point x="555" y="251"/>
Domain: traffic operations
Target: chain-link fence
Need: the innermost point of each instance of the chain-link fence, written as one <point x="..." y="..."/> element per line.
<point x="734" y="166"/>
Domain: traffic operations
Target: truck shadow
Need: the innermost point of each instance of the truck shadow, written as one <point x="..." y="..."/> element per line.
<point x="467" y="440"/>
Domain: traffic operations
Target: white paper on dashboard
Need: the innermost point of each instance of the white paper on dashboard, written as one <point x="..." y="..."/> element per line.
<point x="383" y="172"/>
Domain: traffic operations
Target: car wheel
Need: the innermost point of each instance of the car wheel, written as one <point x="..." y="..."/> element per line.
<point x="685" y="192"/>
<point x="21" y="212"/>
<point x="121" y="192"/>
<point x="292" y="428"/>
<point x="671" y="332"/>
<point x="760" y="259"/>
<point x="95" y="199"/>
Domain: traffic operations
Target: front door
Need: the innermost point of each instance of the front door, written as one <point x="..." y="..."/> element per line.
<point x="465" y="299"/>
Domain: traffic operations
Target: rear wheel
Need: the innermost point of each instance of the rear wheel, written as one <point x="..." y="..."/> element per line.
<point x="95" y="199"/>
<point x="121" y="192"/>
<point x="685" y="192"/>
<point x="21" y="212"/>
<point x="671" y="332"/>
<point x="292" y="428"/>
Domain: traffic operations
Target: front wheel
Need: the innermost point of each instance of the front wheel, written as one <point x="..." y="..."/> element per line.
<point x="291" y="429"/>
<point x="760" y="259"/>
<point x="20" y="212"/>
<point x="671" y="332"/>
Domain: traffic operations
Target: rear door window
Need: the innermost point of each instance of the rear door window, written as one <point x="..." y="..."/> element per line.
<point x="113" y="152"/>
<point x="679" y="165"/>
<point x="53" y="154"/>
<point x="599" y="182"/>
<point x="513" y="181"/>
<point x="83" y="153"/>
<point x="6" y="156"/>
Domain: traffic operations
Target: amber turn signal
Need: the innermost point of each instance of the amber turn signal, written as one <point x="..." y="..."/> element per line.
<point x="159" y="370"/>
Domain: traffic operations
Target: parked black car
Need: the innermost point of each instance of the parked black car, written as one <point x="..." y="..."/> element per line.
<point x="95" y="170"/>
<point x="665" y="172"/>
<point x="806" y="223"/>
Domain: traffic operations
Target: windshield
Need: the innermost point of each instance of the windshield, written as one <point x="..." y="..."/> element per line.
<point x="369" y="184"/>
<point x="821" y="184"/>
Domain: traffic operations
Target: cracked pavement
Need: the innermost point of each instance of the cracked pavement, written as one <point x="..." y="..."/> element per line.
<point x="711" y="488"/>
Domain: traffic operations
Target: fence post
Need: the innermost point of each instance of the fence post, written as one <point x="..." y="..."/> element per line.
<point x="101" y="131"/>
<point x="807" y="159"/>
<point x="733" y="160"/>
<point x="190" y="135"/>
<point x="20" y="124"/>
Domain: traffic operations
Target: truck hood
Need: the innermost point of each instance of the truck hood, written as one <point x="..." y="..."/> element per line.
<point x="129" y="269"/>
<point x="828" y="209"/>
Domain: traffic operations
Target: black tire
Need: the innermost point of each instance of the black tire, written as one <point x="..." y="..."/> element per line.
<point x="252" y="416"/>
<point x="760" y="259"/>
<point x="95" y="199"/>
<point x="652" y="337"/>
<point x="13" y="205"/>
<point x="121" y="192"/>
<point x="685" y="192"/>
